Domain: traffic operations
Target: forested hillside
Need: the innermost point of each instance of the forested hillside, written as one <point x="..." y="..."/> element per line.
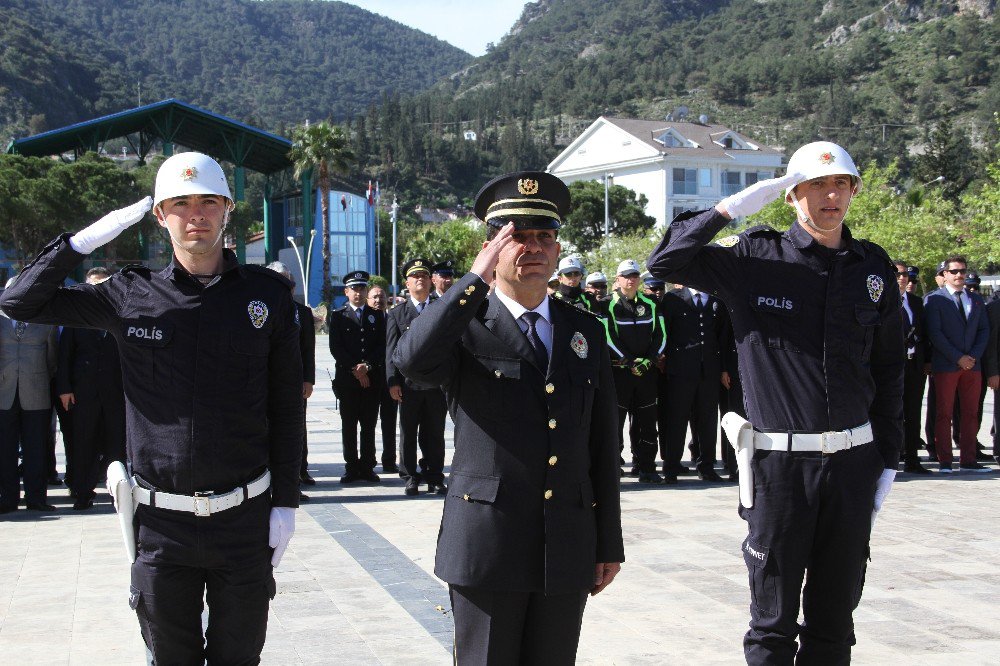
<point x="270" y="63"/>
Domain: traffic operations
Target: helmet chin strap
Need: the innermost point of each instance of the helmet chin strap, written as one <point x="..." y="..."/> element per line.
<point x="805" y="219"/>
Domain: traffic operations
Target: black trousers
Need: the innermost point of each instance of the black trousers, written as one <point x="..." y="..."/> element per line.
<point x="98" y="438"/>
<point x="304" y="467"/>
<point x="688" y="399"/>
<point x="223" y="558"/>
<point x="637" y="397"/>
<point x="811" y="520"/>
<point x="388" y="411"/>
<point x="359" y="406"/>
<point x="913" y="400"/>
<point x="506" y="628"/>
<point x="996" y="424"/>
<point x="28" y="428"/>
<point x="421" y="417"/>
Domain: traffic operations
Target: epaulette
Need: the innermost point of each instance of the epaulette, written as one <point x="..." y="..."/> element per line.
<point x="136" y="268"/>
<point x="253" y="268"/>
<point x="572" y="307"/>
<point x="879" y="250"/>
<point x="762" y="230"/>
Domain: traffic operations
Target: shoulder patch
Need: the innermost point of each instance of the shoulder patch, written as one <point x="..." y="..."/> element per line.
<point x="728" y="241"/>
<point x="136" y="268"/>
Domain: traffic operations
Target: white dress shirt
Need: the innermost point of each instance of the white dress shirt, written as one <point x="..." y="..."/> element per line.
<point x="543" y="327"/>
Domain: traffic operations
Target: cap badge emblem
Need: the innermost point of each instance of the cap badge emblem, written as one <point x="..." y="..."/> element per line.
<point x="189" y="173"/>
<point x="258" y="313"/>
<point x="527" y="186"/>
<point x="579" y="345"/>
<point x="827" y="158"/>
<point x="875" y="287"/>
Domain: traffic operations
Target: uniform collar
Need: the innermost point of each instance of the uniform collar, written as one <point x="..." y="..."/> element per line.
<point x="516" y="309"/>
<point x="174" y="270"/>
<point x="801" y="239"/>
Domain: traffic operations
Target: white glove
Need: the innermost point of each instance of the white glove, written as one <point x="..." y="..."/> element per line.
<point x="109" y="227"/>
<point x="752" y="199"/>
<point x="282" y="528"/>
<point x="882" y="488"/>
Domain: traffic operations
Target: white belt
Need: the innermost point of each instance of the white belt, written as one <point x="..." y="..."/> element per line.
<point x="827" y="442"/>
<point x="202" y="505"/>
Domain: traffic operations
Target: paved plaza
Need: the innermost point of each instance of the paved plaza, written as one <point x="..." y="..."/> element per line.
<point x="356" y="584"/>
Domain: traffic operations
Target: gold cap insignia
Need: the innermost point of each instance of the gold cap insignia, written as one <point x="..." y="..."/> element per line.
<point x="527" y="186"/>
<point x="418" y="263"/>
<point x="827" y="158"/>
<point x="189" y="173"/>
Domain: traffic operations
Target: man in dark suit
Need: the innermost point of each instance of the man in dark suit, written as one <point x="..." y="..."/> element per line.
<point x="422" y="407"/>
<point x="958" y="329"/>
<point x="914" y="376"/>
<point x="89" y="382"/>
<point x="532" y="521"/>
<point x="388" y="409"/>
<point x="991" y="366"/>
<point x="692" y="362"/>
<point x="357" y="342"/>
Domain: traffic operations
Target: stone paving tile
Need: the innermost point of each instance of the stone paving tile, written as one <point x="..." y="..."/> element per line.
<point x="363" y="591"/>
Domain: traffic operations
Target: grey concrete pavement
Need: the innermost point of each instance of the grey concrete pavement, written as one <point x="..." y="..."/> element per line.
<point x="356" y="584"/>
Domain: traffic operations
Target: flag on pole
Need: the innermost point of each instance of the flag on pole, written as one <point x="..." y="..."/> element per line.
<point x="343" y="202"/>
<point x="371" y="194"/>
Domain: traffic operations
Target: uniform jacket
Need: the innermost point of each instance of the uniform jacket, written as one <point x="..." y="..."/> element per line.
<point x="952" y="338"/>
<point x="352" y="342"/>
<point x="575" y="296"/>
<point x="212" y="374"/>
<point x="634" y="327"/>
<point x="819" y="331"/>
<point x="533" y="500"/>
<point x="307" y="342"/>
<point x="90" y="367"/>
<point x="991" y="358"/>
<point x="27" y="365"/>
<point x="397" y="322"/>
<point x="696" y="338"/>
<point x="916" y="333"/>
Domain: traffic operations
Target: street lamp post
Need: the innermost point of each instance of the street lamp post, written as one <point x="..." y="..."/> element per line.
<point x="939" y="179"/>
<point x="304" y="270"/>
<point x="608" y="177"/>
<point x="395" y="214"/>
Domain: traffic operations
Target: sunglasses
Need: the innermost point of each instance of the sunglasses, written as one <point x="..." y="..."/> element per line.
<point x="956" y="271"/>
<point x="902" y="273"/>
<point x="572" y="273"/>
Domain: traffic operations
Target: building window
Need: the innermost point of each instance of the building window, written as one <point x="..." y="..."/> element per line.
<point x="727" y="142"/>
<point x="704" y="178"/>
<point x="685" y="181"/>
<point x="752" y="178"/>
<point x="730" y="182"/>
<point x="678" y="210"/>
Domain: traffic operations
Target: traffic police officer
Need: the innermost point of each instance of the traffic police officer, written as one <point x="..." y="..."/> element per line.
<point x="213" y="398"/>
<point x="357" y="342"/>
<point x="636" y="339"/>
<point x="569" y="290"/>
<point x="442" y="276"/>
<point x="597" y="284"/>
<point x="532" y="521"/>
<point x="422" y="407"/>
<point x="819" y="331"/>
<point x="653" y="287"/>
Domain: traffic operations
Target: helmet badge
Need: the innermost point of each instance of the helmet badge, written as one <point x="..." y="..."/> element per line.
<point x="189" y="173"/>
<point x="527" y="186"/>
<point x="827" y="158"/>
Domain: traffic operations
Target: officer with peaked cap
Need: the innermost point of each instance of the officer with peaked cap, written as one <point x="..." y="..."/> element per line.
<point x="442" y="276"/>
<point x="422" y="407"/>
<point x="532" y="520"/>
<point x="818" y="326"/>
<point x="213" y="404"/>
<point x="357" y="342"/>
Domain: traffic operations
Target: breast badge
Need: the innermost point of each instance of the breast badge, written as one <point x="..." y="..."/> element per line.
<point x="728" y="241"/>
<point x="875" y="287"/>
<point x="258" y="313"/>
<point x="579" y="345"/>
<point x="640" y="310"/>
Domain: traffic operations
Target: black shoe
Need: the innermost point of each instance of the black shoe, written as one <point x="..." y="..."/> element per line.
<point x="308" y="480"/>
<point x="370" y="475"/>
<point x="634" y="471"/>
<point x="944" y="468"/>
<point x="391" y="468"/>
<point x="54" y="480"/>
<point x="412" y="486"/>
<point x="350" y="477"/>
<point x="82" y="504"/>
<point x="621" y="472"/>
<point x="915" y="468"/>
<point x="975" y="467"/>
<point x="651" y="478"/>
<point x="303" y="497"/>
<point x="982" y="456"/>
<point x="437" y="489"/>
<point x="670" y="478"/>
<point x="41" y="507"/>
<point x="7" y="509"/>
<point x="711" y="476"/>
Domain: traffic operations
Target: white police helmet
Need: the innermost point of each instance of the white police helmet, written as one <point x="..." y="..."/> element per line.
<point x="569" y="264"/>
<point x="628" y="267"/>
<point x="821" y="158"/>
<point x="190" y="173"/>
<point x="597" y="277"/>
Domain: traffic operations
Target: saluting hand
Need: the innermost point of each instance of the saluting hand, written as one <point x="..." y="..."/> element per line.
<point x="604" y="574"/>
<point x="755" y="197"/>
<point x="110" y="226"/>
<point x="486" y="261"/>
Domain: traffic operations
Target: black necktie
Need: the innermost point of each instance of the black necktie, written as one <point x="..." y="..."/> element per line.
<point x="541" y="355"/>
<point x="961" y="307"/>
<point x="697" y="301"/>
<point x="420" y="308"/>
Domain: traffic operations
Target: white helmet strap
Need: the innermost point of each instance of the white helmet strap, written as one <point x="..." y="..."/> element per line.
<point x="805" y="219"/>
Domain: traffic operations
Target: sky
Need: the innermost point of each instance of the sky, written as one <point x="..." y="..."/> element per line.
<point x="468" y="24"/>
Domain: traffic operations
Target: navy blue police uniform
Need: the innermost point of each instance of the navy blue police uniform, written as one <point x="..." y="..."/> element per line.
<point x="423" y="409"/>
<point x="533" y="499"/>
<point x="820" y="341"/>
<point x="307" y="346"/>
<point x="358" y="336"/>
<point x="212" y="380"/>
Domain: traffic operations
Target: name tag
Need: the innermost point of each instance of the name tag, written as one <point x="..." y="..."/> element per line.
<point x="147" y="332"/>
<point x="776" y="304"/>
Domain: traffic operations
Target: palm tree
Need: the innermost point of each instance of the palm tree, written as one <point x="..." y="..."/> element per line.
<point x="322" y="148"/>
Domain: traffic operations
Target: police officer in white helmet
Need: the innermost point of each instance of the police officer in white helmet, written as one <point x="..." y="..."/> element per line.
<point x="819" y="332"/>
<point x="213" y="400"/>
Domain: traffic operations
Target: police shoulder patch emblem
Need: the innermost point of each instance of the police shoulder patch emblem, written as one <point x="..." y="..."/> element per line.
<point x="728" y="241"/>
<point x="258" y="313"/>
<point x="875" y="287"/>
<point x="579" y="345"/>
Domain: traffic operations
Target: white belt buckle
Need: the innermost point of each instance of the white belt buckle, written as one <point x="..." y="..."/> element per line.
<point x="202" y="506"/>
<point x="831" y="442"/>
